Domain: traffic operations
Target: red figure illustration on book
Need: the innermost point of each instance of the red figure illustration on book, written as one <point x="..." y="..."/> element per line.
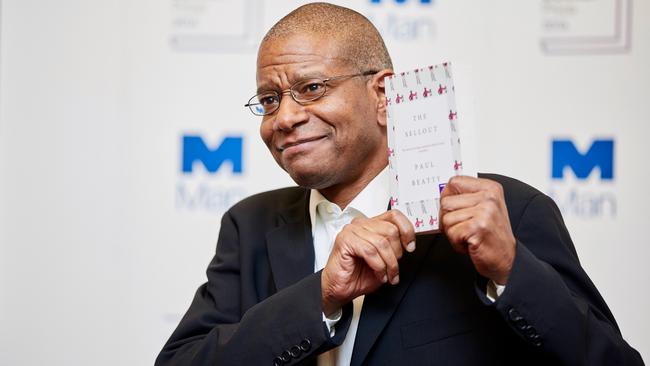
<point x="418" y="222"/>
<point x="393" y="201"/>
<point x="458" y="164"/>
<point x="452" y="115"/>
<point x="399" y="99"/>
<point x="426" y="92"/>
<point x="441" y="89"/>
<point x="432" y="221"/>
<point x="413" y="95"/>
<point x="388" y="101"/>
<point x="391" y="152"/>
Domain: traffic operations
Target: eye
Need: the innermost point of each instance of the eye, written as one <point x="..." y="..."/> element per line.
<point x="310" y="88"/>
<point x="313" y="87"/>
<point x="268" y="99"/>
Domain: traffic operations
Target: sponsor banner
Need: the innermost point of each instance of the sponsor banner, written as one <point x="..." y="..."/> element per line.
<point x="211" y="175"/>
<point x="582" y="178"/>
<point x="216" y="26"/>
<point x="586" y="27"/>
<point x="132" y="142"/>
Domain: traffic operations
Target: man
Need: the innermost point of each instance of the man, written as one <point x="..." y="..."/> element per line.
<point x="325" y="274"/>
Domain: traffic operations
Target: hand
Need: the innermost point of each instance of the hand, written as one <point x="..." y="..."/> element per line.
<point x="364" y="257"/>
<point x="474" y="217"/>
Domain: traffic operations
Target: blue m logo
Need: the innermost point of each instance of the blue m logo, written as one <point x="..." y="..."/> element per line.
<point x="600" y="154"/>
<point x="195" y="149"/>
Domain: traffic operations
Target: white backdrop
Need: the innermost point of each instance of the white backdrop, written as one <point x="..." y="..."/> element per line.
<point x="104" y="238"/>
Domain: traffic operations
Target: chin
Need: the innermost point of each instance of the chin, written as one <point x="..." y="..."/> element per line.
<point x="312" y="178"/>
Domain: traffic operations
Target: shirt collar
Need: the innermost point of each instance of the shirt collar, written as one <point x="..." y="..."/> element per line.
<point x="370" y="202"/>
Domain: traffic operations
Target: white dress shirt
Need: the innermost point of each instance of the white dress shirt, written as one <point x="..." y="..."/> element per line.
<point x="327" y="220"/>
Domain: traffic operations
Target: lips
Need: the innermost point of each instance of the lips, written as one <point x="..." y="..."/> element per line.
<point x="295" y="142"/>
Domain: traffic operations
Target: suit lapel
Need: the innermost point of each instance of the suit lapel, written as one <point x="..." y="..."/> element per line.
<point x="290" y="245"/>
<point x="379" y="306"/>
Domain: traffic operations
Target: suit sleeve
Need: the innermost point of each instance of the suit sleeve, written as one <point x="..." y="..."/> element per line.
<point x="551" y="302"/>
<point x="285" y="328"/>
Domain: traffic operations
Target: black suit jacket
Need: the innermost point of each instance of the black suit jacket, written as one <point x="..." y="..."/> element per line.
<point x="262" y="302"/>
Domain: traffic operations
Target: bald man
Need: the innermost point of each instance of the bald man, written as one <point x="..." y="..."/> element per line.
<point x="324" y="274"/>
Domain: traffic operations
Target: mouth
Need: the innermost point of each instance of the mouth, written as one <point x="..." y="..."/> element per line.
<point x="294" y="143"/>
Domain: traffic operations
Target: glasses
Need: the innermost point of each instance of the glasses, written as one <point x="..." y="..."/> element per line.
<point x="303" y="91"/>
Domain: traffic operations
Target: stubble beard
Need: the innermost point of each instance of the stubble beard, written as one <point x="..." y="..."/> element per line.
<point x="327" y="177"/>
<point x="316" y="178"/>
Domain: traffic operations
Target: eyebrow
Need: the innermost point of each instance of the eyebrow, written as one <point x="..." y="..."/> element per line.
<point x="296" y="78"/>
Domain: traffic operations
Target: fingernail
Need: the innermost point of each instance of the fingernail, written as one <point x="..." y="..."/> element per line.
<point x="395" y="280"/>
<point x="411" y="246"/>
<point x="385" y="279"/>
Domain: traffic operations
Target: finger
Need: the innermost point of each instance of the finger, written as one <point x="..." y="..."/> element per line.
<point x="389" y="231"/>
<point x="363" y="249"/>
<point x="459" y="201"/>
<point x="449" y="219"/>
<point x="385" y="250"/>
<point x="459" y="234"/>
<point x="469" y="232"/>
<point x="406" y="229"/>
<point x="466" y="184"/>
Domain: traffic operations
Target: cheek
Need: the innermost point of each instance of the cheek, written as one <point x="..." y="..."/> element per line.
<point x="339" y="112"/>
<point x="266" y="132"/>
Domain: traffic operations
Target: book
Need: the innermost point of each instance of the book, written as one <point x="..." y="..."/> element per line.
<point x="423" y="142"/>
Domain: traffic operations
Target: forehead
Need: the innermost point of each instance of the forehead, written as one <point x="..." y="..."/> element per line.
<point x="285" y="60"/>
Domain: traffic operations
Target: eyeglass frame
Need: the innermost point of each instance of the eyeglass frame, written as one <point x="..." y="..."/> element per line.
<point x="290" y="90"/>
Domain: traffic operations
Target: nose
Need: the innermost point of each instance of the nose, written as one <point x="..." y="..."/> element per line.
<point x="289" y="114"/>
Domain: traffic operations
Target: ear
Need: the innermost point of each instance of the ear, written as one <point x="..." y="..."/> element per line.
<point x="378" y="90"/>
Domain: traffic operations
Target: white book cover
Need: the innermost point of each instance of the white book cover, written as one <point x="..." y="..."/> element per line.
<point x="423" y="141"/>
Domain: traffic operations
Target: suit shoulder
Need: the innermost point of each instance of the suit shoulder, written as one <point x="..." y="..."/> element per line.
<point x="516" y="193"/>
<point x="275" y="200"/>
<point x="511" y="184"/>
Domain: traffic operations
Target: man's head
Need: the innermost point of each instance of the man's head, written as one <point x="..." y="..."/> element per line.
<point x="341" y="137"/>
<point x="360" y="43"/>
